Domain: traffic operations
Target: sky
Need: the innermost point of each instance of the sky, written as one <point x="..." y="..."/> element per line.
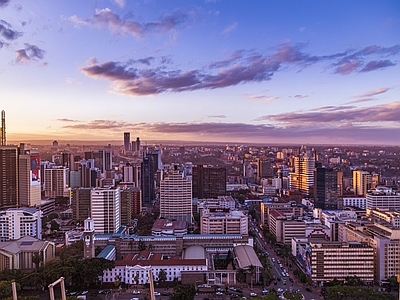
<point x="242" y="71"/>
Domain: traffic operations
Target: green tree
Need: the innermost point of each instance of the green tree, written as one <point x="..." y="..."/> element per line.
<point x="162" y="277"/>
<point x="37" y="258"/>
<point x="186" y="292"/>
<point x="5" y="289"/>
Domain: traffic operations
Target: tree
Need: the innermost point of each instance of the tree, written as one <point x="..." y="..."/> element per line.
<point x="186" y="292"/>
<point x="5" y="289"/>
<point x="37" y="258"/>
<point x="162" y="277"/>
<point x="141" y="245"/>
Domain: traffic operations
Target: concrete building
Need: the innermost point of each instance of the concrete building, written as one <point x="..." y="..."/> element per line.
<point x="80" y="203"/>
<point x="356" y="201"/>
<point x="219" y="202"/>
<point x="383" y="198"/>
<point x="9" y="183"/>
<point x="29" y="180"/>
<point x="56" y="182"/>
<point x="302" y="177"/>
<point x="131" y="204"/>
<point x="19" y="222"/>
<point x="176" y="197"/>
<point x="105" y="209"/>
<point x="325" y="261"/>
<point x="289" y="209"/>
<point x="223" y="221"/>
<point x="361" y="182"/>
<point x="18" y="254"/>
<point x="285" y="229"/>
<point x="164" y="227"/>
<point x="208" y="181"/>
<point x="127" y="142"/>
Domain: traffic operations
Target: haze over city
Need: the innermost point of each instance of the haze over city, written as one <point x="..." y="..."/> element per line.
<point x="208" y="71"/>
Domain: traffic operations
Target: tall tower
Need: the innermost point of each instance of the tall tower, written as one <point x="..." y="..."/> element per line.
<point x="176" y="197"/>
<point x="208" y="181"/>
<point x="302" y="178"/>
<point x="9" y="190"/>
<point x="3" y="129"/>
<point x="88" y="237"/>
<point x="326" y="192"/>
<point x="361" y="182"/>
<point x="127" y="142"/>
<point x="105" y="209"/>
<point x="149" y="168"/>
<point x="29" y="179"/>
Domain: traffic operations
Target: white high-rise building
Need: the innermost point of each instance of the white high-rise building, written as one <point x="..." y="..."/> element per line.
<point x="106" y="209"/>
<point x="16" y="223"/>
<point x="176" y="197"/>
<point x="383" y="198"/>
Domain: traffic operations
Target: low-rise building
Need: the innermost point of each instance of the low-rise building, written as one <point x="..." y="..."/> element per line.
<point x="164" y="227"/>
<point x="223" y="221"/>
<point x="19" y="222"/>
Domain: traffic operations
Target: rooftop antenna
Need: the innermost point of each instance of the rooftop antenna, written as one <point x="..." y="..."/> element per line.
<point x="3" y="128"/>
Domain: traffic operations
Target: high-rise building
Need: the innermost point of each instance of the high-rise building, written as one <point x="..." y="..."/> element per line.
<point x="80" y="202"/>
<point x="361" y="182"/>
<point x="102" y="159"/>
<point x="302" y="177"/>
<point x="325" y="188"/>
<point x="149" y="168"/>
<point x="131" y="204"/>
<point x="3" y="140"/>
<point x="176" y="197"/>
<point x="127" y="142"/>
<point x="9" y="189"/>
<point x="16" y="223"/>
<point x="137" y="144"/>
<point x="208" y="181"/>
<point x="29" y="179"/>
<point x="130" y="173"/>
<point x="105" y="209"/>
<point x="56" y="182"/>
<point x="264" y="169"/>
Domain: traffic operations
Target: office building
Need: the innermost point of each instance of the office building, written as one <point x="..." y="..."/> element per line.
<point x="9" y="188"/>
<point x="3" y="139"/>
<point x="361" y="182"/>
<point x="208" y="181"/>
<point x="326" y="261"/>
<point x="131" y="204"/>
<point x="16" y="223"/>
<point x="325" y="188"/>
<point x="264" y="169"/>
<point x="176" y="197"/>
<point x="223" y="221"/>
<point x="105" y="209"/>
<point x="149" y="167"/>
<point x="80" y="203"/>
<point x="56" y="182"/>
<point x="302" y="177"/>
<point x="102" y="159"/>
<point x="127" y="142"/>
<point x="383" y="198"/>
<point x="29" y="180"/>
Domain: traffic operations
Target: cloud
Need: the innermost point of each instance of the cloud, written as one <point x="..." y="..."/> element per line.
<point x="149" y="76"/>
<point x="7" y="32"/>
<point x="373" y="93"/>
<point x="376" y="65"/>
<point x="360" y="100"/>
<point x="67" y="120"/>
<point x="120" y="3"/>
<point x="30" y="52"/>
<point x="240" y="132"/>
<point x="331" y="116"/>
<point x="217" y="117"/>
<point x="301" y="96"/>
<point x="106" y="17"/>
<point x="72" y="81"/>
<point x="263" y="98"/>
<point x="230" y="28"/>
<point x="4" y="3"/>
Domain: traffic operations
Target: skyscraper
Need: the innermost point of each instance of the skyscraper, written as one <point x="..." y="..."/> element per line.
<point x="127" y="142"/>
<point x="302" y="177"/>
<point x="102" y="159"/>
<point x="208" y="181"/>
<point x="131" y="204"/>
<point x="29" y="180"/>
<point x="80" y="202"/>
<point x="9" y="189"/>
<point x="176" y="197"/>
<point x="264" y="169"/>
<point x="105" y="209"/>
<point x="56" y="182"/>
<point x="361" y="182"/>
<point x="3" y="141"/>
<point x="326" y="192"/>
<point x="149" y="168"/>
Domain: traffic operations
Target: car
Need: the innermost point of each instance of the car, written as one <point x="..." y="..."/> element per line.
<point x="253" y="294"/>
<point x="279" y="290"/>
<point x="136" y="292"/>
<point x="264" y="292"/>
<point x="219" y="293"/>
<point x="308" y="289"/>
<point x="279" y="279"/>
<point x="290" y="279"/>
<point x="239" y="291"/>
<point x="157" y="294"/>
<point x="232" y="288"/>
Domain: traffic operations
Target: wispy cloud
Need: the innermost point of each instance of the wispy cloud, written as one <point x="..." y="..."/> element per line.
<point x="129" y="25"/>
<point x="334" y="115"/>
<point x="217" y="117"/>
<point x="377" y="65"/>
<point x="30" y="52"/>
<point x="300" y="96"/>
<point x="120" y="3"/>
<point x="4" y="3"/>
<point x="241" y="132"/>
<point x="373" y="92"/>
<point x="7" y="33"/>
<point x="240" y="67"/>
<point x="263" y="98"/>
<point x="67" y="120"/>
<point x="230" y="28"/>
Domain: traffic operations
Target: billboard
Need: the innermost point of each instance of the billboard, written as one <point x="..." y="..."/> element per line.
<point x="35" y="167"/>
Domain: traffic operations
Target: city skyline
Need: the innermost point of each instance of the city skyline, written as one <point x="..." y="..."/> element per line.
<point x="319" y="72"/>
